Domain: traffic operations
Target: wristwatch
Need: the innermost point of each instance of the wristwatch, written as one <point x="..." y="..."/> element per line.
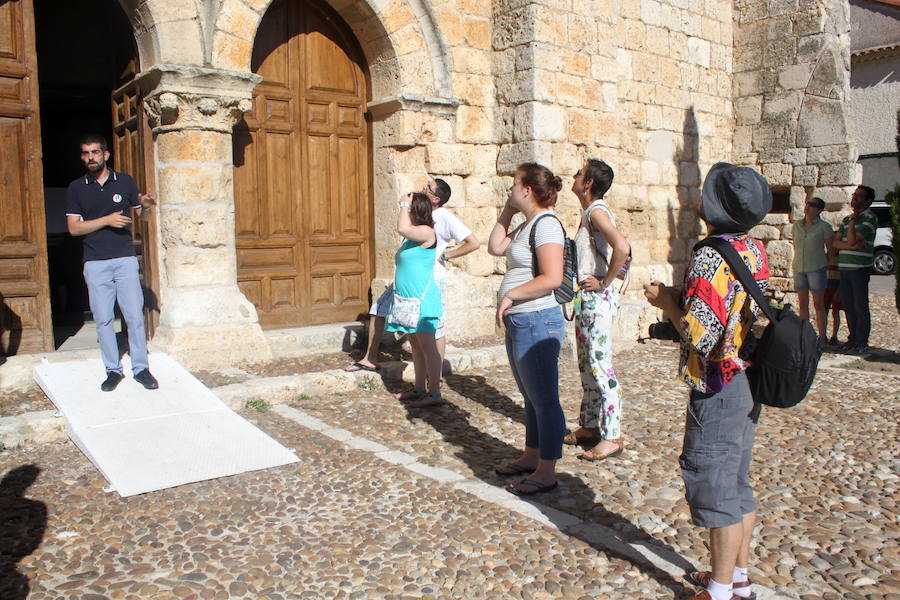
<point x="404" y="204"/>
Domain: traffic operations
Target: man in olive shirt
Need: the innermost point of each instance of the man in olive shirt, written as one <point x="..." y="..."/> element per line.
<point x="856" y="242"/>
<point x="812" y="236"/>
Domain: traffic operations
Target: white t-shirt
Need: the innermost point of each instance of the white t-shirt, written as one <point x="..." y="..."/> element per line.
<point x="446" y="227"/>
<point x="519" y="261"/>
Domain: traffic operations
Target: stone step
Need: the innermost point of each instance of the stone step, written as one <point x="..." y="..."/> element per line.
<point x="316" y="339"/>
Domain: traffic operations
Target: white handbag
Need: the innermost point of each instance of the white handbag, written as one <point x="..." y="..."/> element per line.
<point x="405" y="311"/>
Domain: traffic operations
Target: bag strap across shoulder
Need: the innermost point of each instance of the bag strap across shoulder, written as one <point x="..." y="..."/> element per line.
<point x="740" y="271"/>
<point x="531" y="238"/>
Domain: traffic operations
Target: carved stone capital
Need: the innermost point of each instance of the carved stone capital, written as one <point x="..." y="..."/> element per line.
<point x="176" y="111"/>
<point x="181" y="97"/>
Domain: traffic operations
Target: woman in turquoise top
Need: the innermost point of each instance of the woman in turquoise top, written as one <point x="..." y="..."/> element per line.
<point x="414" y="278"/>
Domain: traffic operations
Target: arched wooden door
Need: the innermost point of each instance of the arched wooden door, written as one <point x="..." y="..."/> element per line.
<point x="301" y="177"/>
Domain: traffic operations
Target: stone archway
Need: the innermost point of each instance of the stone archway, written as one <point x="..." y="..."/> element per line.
<point x="395" y="39"/>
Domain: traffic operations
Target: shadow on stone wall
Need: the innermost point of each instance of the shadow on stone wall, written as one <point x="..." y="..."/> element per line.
<point x="684" y="219"/>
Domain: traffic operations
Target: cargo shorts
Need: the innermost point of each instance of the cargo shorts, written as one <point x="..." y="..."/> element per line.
<point x="715" y="458"/>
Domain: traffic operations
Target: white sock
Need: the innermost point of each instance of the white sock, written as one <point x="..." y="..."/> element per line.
<point x="744" y="591"/>
<point x="739" y="574"/>
<point x="719" y="591"/>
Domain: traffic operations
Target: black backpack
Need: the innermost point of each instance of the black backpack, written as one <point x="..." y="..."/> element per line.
<point x="566" y="291"/>
<point x="784" y="361"/>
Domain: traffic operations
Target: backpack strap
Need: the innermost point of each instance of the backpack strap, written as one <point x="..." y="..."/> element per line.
<point x="531" y="236"/>
<point x="740" y="270"/>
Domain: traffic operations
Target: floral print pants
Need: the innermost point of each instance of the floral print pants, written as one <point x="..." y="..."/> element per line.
<point x="601" y="407"/>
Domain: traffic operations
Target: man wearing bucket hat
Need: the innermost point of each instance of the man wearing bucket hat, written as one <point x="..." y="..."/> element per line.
<point x="713" y="316"/>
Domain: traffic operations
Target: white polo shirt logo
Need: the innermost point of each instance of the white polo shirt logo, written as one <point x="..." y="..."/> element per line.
<point x="117" y="198"/>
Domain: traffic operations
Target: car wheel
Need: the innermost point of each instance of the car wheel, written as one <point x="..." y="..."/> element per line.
<point x="884" y="263"/>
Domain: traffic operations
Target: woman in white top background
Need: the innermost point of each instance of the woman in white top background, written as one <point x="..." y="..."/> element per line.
<point x="602" y="251"/>
<point x="533" y="321"/>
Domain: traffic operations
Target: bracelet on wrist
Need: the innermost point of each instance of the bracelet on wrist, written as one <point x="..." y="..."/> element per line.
<point x="404" y="205"/>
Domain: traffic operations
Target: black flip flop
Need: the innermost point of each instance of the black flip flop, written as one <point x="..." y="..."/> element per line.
<point x="361" y="367"/>
<point x="514" y="469"/>
<point x="537" y="485"/>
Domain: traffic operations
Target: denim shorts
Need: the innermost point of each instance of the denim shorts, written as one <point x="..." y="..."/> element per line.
<point x="813" y="281"/>
<point x="715" y="459"/>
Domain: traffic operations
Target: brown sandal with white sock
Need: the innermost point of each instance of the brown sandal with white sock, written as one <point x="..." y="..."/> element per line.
<point x="701" y="578"/>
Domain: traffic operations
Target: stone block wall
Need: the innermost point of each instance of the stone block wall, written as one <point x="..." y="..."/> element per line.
<point x="791" y="101"/>
<point x="642" y="84"/>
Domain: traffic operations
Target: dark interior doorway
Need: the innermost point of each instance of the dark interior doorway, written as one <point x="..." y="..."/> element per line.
<point x="85" y="51"/>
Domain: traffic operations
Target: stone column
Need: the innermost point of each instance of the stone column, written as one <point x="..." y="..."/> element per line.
<point x="205" y="320"/>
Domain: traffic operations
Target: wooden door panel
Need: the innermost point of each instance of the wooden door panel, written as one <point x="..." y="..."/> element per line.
<point x="281" y="192"/>
<point x="301" y="172"/>
<point x="15" y="209"/>
<point x="11" y="23"/>
<point x="318" y="182"/>
<point x="349" y="188"/>
<point x="353" y="287"/>
<point x="25" y="322"/>
<point x="246" y="212"/>
<point x="328" y="67"/>
<point x="12" y="89"/>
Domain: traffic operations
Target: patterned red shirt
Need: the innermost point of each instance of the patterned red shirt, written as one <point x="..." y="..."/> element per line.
<point x="719" y="314"/>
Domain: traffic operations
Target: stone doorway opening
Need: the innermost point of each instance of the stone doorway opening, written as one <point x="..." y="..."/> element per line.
<point x="86" y="52"/>
<point x="302" y="181"/>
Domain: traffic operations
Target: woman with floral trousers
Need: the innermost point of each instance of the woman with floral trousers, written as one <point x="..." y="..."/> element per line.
<point x="602" y="252"/>
<point x="601" y="409"/>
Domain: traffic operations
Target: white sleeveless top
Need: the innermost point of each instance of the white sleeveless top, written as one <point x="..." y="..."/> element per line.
<point x="591" y="244"/>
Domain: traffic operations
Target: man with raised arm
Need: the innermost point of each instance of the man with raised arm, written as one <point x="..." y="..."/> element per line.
<point x="98" y="207"/>
<point x="447" y="227"/>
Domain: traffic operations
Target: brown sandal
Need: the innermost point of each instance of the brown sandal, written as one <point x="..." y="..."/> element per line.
<point x="572" y="439"/>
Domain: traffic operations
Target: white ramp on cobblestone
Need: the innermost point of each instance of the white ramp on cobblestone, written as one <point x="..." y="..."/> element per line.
<point x="147" y="440"/>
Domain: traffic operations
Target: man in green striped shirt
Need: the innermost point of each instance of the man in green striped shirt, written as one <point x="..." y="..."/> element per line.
<point x="856" y="242"/>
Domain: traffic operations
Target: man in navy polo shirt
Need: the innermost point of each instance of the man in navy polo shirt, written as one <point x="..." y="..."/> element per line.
<point x="97" y="207"/>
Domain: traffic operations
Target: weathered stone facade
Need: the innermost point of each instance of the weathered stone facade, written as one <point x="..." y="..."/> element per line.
<point x="468" y="89"/>
<point x="791" y="93"/>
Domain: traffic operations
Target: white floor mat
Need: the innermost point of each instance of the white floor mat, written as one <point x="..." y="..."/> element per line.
<point x="146" y="440"/>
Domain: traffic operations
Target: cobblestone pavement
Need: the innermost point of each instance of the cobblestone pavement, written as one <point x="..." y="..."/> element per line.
<point x="344" y="524"/>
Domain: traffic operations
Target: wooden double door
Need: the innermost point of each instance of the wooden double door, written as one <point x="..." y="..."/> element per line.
<point x="302" y="172"/>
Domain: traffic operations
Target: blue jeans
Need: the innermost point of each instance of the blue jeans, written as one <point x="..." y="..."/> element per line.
<point x="533" y="341"/>
<point x="108" y="281"/>
<point x="855" y="298"/>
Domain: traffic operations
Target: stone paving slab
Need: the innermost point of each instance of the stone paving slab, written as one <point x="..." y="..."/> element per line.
<point x="339" y="524"/>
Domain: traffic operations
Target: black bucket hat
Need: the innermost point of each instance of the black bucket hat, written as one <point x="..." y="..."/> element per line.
<point x="735" y="199"/>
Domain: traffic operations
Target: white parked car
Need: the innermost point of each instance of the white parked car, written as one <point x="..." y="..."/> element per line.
<point x="885" y="261"/>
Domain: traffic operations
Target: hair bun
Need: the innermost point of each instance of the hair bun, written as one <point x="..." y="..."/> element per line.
<point x="557" y="182"/>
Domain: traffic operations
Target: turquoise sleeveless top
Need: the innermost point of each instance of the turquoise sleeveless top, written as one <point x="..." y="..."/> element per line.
<point x="414" y="271"/>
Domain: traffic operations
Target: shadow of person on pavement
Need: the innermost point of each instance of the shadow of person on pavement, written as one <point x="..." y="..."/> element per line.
<point x="476" y="388"/>
<point x="604" y="530"/>
<point x="22" y="526"/>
